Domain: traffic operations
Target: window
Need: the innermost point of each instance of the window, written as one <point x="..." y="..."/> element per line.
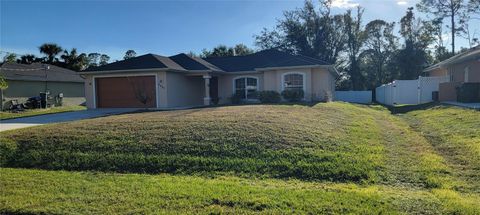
<point x="466" y="71"/>
<point x="293" y="81"/>
<point x="246" y="87"/>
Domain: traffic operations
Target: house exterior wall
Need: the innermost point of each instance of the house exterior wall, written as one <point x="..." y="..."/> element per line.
<point x="438" y="72"/>
<point x="184" y="91"/>
<point x="225" y="85"/>
<point x="458" y="71"/>
<point x="323" y="84"/>
<point x="275" y="77"/>
<point x="73" y="92"/>
<point x="89" y="92"/>
<point x="181" y="90"/>
<point x="447" y="91"/>
<point x="318" y="82"/>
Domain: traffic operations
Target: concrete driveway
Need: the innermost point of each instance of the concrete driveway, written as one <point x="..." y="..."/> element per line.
<point x="24" y="122"/>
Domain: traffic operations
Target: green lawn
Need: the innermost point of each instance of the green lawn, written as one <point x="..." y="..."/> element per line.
<point x="35" y="112"/>
<point x="332" y="157"/>
<point x="60" y="192"/>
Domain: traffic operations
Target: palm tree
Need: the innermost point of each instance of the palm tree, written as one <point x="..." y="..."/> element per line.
<point x="51" y="50"/>
<point x="73" y="60"/>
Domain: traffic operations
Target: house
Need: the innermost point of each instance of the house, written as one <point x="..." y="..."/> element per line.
<point x="155" y="81"/>
<point x="28" y="80"/>
<point x="461" y="68"/>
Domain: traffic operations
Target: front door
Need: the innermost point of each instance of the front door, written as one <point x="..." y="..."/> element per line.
<point x="214" y="89"/>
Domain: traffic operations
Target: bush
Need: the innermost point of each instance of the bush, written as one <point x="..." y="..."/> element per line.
<point x="269" y="97"/>
<point x="293" y="95"/>
<point x="236" y="98"/>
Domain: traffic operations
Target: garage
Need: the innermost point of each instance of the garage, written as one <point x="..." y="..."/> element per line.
<point x="126" y="92"/>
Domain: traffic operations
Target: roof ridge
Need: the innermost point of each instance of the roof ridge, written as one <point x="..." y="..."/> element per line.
<point x="323" y="61"/>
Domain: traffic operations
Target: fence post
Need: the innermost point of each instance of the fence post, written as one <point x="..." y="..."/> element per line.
<point x="419" y="91"/>
<point x="394" y="92"/>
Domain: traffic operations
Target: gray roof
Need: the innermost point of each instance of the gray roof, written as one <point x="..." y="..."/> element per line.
<point x="193" y="63"/>
<point x="471" y="54"/>
<point x="148" y="61"/>
<point x="263" y="59"/>
<point x="182" y="62"/>
<point x="36" y="72"/>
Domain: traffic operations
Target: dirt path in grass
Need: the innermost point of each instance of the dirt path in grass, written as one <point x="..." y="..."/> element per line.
<point x="410" y="161"/>
<point x="458" y="163"/>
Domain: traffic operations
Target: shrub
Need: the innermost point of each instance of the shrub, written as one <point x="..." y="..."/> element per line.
<point x="215" y="100"/>
<point x="236" y="98"/>
<point x="269" y="96"/>
<point x="293" y="95"/>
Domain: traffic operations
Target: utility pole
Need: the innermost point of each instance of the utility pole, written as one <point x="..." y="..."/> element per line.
<point x="46" y="67"/>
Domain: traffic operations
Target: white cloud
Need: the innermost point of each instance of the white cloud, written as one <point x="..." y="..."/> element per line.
<point x="344" y="4"/>
<point x="402" y="2"/>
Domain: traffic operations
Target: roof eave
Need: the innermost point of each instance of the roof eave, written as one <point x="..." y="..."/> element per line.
<point x="292" y="67"/>
<point x="125" y="71"/>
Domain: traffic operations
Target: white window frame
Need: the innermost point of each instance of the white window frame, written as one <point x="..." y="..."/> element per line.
<point x="304" y="77"/>
<point x="466" y="72"/>
<point x="234" y="89"/>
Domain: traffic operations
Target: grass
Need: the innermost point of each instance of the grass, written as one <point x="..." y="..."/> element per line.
<point x="455" y="134"/>
<point x="329" y="158"/>
<point x="34" y="112"/>
<point x="60" y="192"/>
<point x="321" y="143"/>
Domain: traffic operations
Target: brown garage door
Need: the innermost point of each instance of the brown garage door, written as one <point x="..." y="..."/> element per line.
<point x="126" y="92"/>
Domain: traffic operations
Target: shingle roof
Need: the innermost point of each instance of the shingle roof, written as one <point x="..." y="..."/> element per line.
<point x="182" y="62"/>
<point x="193" y="63"/>
<point x="263" y="59"/>
<point x="148" y="61"/>
<point x="36" y="72"/>
<point x="470" y="54"/>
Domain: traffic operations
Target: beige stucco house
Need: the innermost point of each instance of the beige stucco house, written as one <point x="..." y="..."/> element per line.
<point x="461" y="68"/>
<point x="181" y="80"/>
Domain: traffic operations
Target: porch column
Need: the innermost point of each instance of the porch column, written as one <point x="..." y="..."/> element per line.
<point x="207" y="99"/>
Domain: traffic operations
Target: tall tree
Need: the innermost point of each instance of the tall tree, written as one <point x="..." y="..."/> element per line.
<point x="29" y="59"/>
<point x="93" y="59"/>
<point x="104" y="59"/>
<point x="308" y="31"/>
<point x="74" y="61"/>
<point x="435" y="27"/>
<point x="219" y="51"/>
<point x="474" y="8"/>
<point x="130" y="54"/>
<point x="413" y="56"/>
<point x="453" y="9"/>
<point x="224" y="51"/>
<point x="51" y="50"/>
<point x="380" y="47"/>
<point x="10" y="58"/>
<point x="354" y="43"/>
<point x="241" y="49"/>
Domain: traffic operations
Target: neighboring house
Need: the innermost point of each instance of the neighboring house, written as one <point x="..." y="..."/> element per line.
<point x="28" y="80"/>
<point x="461" y="68"/>
<point x="155" y="81"/>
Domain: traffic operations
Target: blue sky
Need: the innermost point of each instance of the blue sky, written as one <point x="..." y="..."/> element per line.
<point x="161" y="27"/>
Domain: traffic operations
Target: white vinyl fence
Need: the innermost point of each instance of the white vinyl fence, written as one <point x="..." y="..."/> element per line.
<point x="409" y="91"/>
<point x="362" y="97"/>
